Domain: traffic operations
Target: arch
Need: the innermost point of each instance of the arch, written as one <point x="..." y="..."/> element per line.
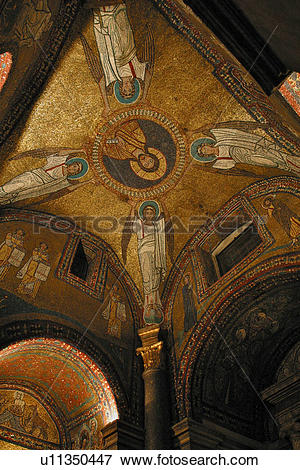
<point x="278" y="184"/>
<point x="57" y="224"/>
<point x="68" y="383"/>
<point x="180" y="371"/>
<point x="17" y="331"/>
<point x="216" y="346"/>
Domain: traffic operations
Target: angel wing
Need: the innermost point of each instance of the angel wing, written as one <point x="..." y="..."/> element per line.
<point x="73" y="186"/>
<point x="147" y="52"/>
<point x="246" y="126"/>
<point x="92" y="61"/>
<point x="39" y="153"/>
<point x="126" y="236"/>
<point x="169" y="230"/>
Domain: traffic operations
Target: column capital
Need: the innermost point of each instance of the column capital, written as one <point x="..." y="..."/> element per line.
<point x="151" y="350"/>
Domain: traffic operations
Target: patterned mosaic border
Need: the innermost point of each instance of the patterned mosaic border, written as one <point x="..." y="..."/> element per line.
<point x="156" y="116"/>
<point x="24" y="440"/>
<point x="203" y="290"/>
<point x="95" y="287"/>
<point x="281" y="184"/>
<point x="201" y="335"/>
<point x="59" y="224"/>
<point x="290" y="90"/>
<point x="278" y="184"/>
<point x="107" y="403"/>
<point x="132" y="410"/>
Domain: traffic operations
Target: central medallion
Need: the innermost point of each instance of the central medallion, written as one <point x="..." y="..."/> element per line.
<point x="139" y="153"/>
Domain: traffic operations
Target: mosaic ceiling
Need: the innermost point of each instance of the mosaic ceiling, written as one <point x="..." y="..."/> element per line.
<point x="118" y="182"/>
<point x="50" y="379"/>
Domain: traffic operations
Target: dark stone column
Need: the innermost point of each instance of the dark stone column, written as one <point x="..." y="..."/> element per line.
<point x="156" y="390"/>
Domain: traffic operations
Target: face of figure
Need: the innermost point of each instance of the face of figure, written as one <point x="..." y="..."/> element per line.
<point x="20" y="233"/>
<point x="206" y="149"/>
<point x="127" y="87"/>
<point x="74" y="168"/>
<point x="44" y="246"/>
<point x="269" y="203"/>
<point x="147" y="161"/>
<point x="187" y="279"/>
<point x="18" y="396"/>
<point x="149" y="214"/>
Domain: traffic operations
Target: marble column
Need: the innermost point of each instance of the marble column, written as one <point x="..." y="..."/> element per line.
<point x="157" y="399"/>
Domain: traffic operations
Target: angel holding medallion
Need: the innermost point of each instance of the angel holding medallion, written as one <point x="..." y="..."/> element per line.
<point x="233" y="142"/>
<point x="119" y="68"/>
<point x="63" y="168"/>
<point x="152" y="230"/>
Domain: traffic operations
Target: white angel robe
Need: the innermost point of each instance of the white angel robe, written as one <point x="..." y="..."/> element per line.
<point x="236" y="146"/>
<point x="152" y="258"/>
<point x="51" y="177"/>
<point x="116" y="45"/>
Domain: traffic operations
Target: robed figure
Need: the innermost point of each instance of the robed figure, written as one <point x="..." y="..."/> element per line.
<point x="119" y="67"/>
<point x="190" y="311"/>
<point x="12" y="251"/>
<point x="151" y="230"/>
<point x="235" y="142"/>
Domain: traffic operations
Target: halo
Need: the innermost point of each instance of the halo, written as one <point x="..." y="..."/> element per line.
<point x="195" y="145"/>
<point x="270" y="196"/>
<point x="154" y="175"/>
<point x="151" y="204"/>
<point x="85" y="167"/>
<point x="133" y="99"/>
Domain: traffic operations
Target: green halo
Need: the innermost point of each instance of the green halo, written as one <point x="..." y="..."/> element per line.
<point x="195" y="145"/>
<point x="151" y="204"/>
<point x="85" y="167"/>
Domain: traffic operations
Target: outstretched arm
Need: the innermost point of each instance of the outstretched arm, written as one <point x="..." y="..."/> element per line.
<point x="133" y="205"/>
<point x="146" y="54"/>
<point x="102" y="88"/>
<point x="165" y="210"/>
<point x="147" y="82"/>
<point x="241" y="125"/>
<point x="169" y="230"/>
<point x="47" y="152"/>
<point x="128" y="229"/>
<point x="65" y="152"/>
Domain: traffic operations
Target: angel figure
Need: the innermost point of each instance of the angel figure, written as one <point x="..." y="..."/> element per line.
<point x="121" y="68"/>
<point x="151" y="229"/>
<point x="234" y="142"/>
<point x="63" y="167"/>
